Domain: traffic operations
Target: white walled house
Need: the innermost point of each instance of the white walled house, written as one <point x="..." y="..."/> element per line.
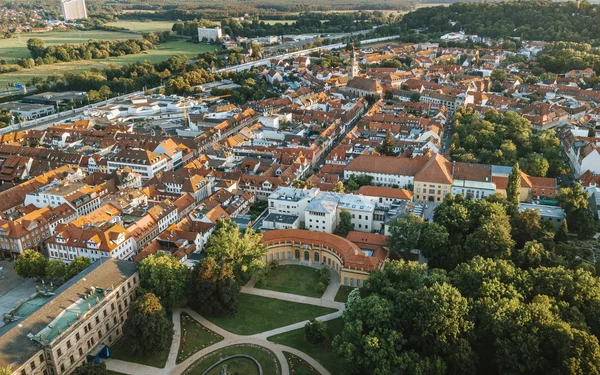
<point x="144" y="162"/>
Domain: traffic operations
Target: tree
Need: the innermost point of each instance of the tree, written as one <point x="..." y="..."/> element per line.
<point x="535" y="165"/>
<point x="533" y="255"/>
<point x="212" y="288"/>
<point x="77" y="265"/>
<point x="56" y="271"/>
<point x="91" y="368"/>
<point x="562" y="234"/>
<point x="36" y="47"/>
<point x="513" y="188"/>
<point x="338" y="187"/>
<point x="314" y="331"/>
<point x="498" y="75"/>
<point x="405" y="234"/>
<point x="31" y="264"/>
<point x="104" y="92"/>
<point x="148" y="328"/>
<point x="243" y="252"/>
<point x="526" y="227"/>
<point x="574" y="201"/>
<point x="345" y="225"/>
<point x="433" y="243"/>
<point x="387" y="147"/>
<point x="165" y="276"/>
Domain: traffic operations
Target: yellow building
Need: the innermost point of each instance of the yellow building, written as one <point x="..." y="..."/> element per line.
<point x="434" y="180"/>
<point x="352" y="257"/>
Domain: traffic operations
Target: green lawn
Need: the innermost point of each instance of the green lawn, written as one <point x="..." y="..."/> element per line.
<point x="16" y="47"/>
<point x="108" y="372"/>
<point x="265" y="357"/>
<point x="322" y="353"/>
<point x="143" y="26"/>
<point x="236" y="366"/>
<point x="292" y="279"/>
<point x="122" y="350"/>
<point x="298" y="365"/>
<point x="197" y="337"/>
<point x="259" y="314"/>
<point x="161" y="53"/>
<point x="342" y="293"/>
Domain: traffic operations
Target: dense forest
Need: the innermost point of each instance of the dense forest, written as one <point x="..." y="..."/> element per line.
<point x="530" y="20"/>
<point x="503" y="292"/>
<point x="505" y="139"/>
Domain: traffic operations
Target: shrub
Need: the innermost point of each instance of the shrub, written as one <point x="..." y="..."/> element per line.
<point x="314" y="331"/>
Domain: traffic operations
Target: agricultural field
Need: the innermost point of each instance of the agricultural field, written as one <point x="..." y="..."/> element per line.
<point x="163" y="52"/>
<point x="16" y="47"/>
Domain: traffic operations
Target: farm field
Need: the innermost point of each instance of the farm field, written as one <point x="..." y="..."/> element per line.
<point x="163" y="52"/>
<point x="16" y="47"/>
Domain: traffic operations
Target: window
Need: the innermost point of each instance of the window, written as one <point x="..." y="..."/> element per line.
<point x="80" y="352"/>
<point x="68" y="344"/>
<point x="72" y="359"/>
<point x="107" y="326"/>
<point x="104" y="312"/>
<point x="62" y="367"/>
<point x="32" y="364"/>
<point x="77" y="336"/>
<point x="59" y="352"/>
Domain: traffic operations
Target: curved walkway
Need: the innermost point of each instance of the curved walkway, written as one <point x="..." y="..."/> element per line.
<point x="173" y="368"/>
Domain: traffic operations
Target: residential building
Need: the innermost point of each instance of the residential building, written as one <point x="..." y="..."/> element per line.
<point x="209" y="34"/>
<point x="74" y="10"/>
<point x="144" y="162"/>
<point x="29" y="231"/>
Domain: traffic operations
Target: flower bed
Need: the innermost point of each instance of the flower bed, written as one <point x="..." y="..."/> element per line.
<point x="194" y="337"/>
<point x="299" y="366"/>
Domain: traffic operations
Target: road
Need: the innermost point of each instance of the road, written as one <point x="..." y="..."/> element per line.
<point x="57" y="118"/>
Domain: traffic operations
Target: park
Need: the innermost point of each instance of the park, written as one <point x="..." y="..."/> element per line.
<point x="265" y="336"/>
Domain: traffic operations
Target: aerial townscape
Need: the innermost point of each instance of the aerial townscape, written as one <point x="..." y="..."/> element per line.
<point x="299" y="188"/>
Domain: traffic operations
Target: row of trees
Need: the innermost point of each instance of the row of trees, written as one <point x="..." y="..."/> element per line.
<point x="505" y="139"/>
<point x="93" y="49"/>
<point x="32" y="264"/>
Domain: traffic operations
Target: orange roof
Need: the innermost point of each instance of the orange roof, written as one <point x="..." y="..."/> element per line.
<point x="351" y="254"/>
<point x="438" y="170"/>
<point x="385" y="192"/>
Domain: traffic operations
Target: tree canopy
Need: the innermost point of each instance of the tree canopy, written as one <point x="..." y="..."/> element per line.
<point x="242" y="251"/>
<point x="165" y="276"/>
<point x="148" y="328"/>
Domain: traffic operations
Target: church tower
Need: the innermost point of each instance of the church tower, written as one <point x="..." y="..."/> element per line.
<point x="352" y="67"/>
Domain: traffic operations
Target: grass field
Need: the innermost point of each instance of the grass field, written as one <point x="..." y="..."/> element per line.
<point x="196" y="337"/>
<point x="122" y="350"/>
<point x="143" y="26"/>
<point x="292" y="279"/>
<point x="16" y="47"/>
<point x="265" y="357"/>
<point x="322" y="353"/>
<point x="259" y="314"/>
<point x="163" y="52"/>
<point x="342" y="293"/>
